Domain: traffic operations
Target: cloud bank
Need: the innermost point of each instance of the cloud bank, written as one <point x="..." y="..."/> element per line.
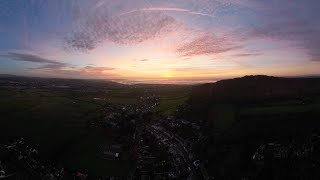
<point x="55" y="67"/>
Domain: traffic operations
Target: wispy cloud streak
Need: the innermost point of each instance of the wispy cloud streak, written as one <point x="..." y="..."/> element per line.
<point x="167" y="9"/>
<point x="246" y="54"/>
<point x="30" y="58"/>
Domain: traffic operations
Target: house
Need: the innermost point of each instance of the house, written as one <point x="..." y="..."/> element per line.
<point x="111" y="155"/>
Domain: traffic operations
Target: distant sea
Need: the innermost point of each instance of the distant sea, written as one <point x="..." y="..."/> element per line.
<point x="166" y="81"/>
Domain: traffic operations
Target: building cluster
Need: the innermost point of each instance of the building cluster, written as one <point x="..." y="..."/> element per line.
<point x="149" y="100"/>
<point x="18" y="160"/>
<point x="112" y="152"/>
<point x="185" y="128"/>
<point x="185" y="132"/>
<point x="161" y="141"/>
<point x="288" y="160"/>
<point x="115" y="114"/>
<point x="21" y="161"/>
<point x="291" y="150"/>
<point x="153" y="160"/>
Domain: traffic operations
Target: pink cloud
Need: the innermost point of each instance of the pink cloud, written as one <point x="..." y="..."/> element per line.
<point x="246" y="54"/>
<point x="207" y="44"/>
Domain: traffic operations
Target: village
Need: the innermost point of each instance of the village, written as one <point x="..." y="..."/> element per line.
<point x="160" y="146"/>
<point x="157" y="150"/>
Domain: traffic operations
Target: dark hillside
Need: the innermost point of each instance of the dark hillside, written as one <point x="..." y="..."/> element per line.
<point x="241" y="114"/>
<point x="253" y="88"/>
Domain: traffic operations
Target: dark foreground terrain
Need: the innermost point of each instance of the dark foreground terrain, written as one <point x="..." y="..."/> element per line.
<point x="255" y="127"/>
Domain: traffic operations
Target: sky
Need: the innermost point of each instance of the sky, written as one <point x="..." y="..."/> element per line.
<point x="159" y="41"/>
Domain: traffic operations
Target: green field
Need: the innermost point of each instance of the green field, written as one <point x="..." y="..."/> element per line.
<point x="167" y="106"/>
<point x="170" y="98"/>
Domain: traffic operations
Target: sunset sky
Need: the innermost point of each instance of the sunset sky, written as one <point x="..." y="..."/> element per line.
<point x="164" y="41"/>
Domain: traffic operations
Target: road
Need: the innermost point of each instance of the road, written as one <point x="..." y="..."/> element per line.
<point x="173" y="143"/>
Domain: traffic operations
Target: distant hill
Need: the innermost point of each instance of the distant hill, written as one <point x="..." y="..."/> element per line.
<point x="259" y="87"/>
<point x="250" y="89"/>
<point x="45" y="81"/>
<point x="6" y="76"/>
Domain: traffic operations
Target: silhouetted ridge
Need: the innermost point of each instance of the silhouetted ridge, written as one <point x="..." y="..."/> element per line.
<point x="258" y="87"/>
<point x="251" y="89"/>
